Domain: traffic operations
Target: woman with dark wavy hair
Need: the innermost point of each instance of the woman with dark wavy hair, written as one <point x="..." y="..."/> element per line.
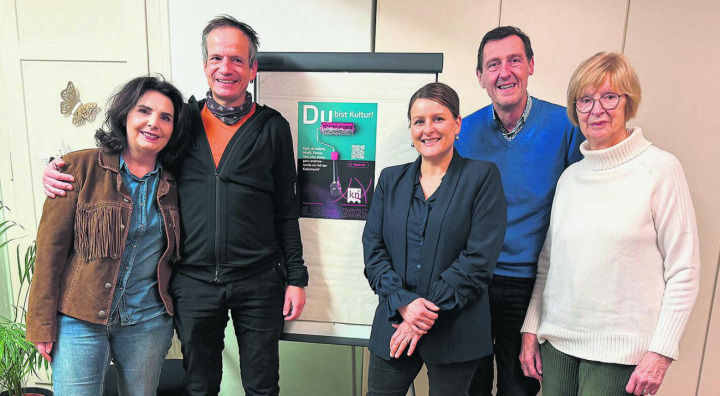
<point x="100" y="289"/>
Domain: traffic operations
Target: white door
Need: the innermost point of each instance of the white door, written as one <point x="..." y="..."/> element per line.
<point x="46" y="44"/>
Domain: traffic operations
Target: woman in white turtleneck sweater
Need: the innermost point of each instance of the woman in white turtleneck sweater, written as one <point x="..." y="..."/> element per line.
<point x="618" y="274"/>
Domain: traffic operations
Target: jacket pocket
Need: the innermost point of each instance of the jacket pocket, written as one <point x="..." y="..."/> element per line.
<point x="98" y="232"/>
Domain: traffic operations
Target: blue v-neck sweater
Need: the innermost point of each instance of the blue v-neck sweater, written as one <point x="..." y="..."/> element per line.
<point x="530" y="166"/>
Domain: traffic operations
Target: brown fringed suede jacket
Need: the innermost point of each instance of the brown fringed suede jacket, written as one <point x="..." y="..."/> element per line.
<point x="80" y="244"/>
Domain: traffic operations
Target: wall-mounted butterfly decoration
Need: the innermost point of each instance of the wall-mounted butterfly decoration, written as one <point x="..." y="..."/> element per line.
<point x="71" y="104"/>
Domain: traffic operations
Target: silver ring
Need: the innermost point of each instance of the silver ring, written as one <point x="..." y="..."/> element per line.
<point x="645" y="392"/>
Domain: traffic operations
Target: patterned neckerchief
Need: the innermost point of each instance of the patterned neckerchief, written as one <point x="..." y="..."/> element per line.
<point x="229" y="115"/>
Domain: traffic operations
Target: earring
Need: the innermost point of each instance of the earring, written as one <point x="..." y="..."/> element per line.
<point x="412" y="144"/>
<point x="457" y="137"/>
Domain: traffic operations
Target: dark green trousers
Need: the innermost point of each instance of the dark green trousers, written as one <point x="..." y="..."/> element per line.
<point x="565" y="375"/>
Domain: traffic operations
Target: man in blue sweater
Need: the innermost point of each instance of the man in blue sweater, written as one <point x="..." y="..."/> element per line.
<point x="532" y="142"/>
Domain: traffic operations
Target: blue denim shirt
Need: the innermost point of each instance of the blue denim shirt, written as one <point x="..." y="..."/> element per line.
<point x="137" y="298"/>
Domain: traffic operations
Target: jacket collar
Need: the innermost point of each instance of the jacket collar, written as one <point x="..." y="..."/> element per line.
<point x="435" y="221"/>
<point x="454" y="167"/>
<point x="111" y="162"/>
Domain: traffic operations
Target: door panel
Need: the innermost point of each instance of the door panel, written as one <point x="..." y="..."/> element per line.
<point x="96" y="45"/>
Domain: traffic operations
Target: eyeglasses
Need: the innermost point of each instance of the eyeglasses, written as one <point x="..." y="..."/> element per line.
<point x="608" y="101"/>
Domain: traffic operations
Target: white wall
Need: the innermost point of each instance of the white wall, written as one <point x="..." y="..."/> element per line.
<point x="283" y="25"/>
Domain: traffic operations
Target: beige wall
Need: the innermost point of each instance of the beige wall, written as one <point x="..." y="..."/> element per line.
<point x="667" y="41"/>
<point x="673" y="46"/>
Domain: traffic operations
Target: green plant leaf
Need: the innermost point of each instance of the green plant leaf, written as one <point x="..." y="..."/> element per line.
<point x="18" y="357"/>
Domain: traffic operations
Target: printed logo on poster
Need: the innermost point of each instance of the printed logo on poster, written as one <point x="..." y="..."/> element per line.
<point x="354" y="195"/>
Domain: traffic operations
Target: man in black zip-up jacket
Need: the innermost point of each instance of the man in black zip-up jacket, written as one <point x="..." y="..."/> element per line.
<point x="241" y="237"/>
<point x="243" y="214"/>
<point x="241" y="249"/>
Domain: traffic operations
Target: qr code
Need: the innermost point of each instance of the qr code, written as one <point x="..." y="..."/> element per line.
<point x="358" y="151"/>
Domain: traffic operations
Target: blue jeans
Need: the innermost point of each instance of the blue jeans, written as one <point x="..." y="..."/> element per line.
<point x="83" y="351"/>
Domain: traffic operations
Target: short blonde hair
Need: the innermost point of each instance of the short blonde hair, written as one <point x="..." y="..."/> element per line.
<point x="593" y="71"/>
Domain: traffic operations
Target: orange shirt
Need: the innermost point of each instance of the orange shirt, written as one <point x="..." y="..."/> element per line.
<point x="218" y="133"/>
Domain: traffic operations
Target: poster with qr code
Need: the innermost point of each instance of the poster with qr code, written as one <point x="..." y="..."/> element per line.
<point x="336" y="159"/>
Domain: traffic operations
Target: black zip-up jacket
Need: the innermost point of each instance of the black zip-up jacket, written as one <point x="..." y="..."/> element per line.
<point x="241" y="217"/>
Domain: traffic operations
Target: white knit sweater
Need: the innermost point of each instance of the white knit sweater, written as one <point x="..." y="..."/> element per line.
<point x="618" y="274"/>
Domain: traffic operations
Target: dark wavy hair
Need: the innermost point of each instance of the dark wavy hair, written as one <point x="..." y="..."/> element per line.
<point x="112" y="137"/>
<point x="500" y="33"/>
<point x="440" y="93"/>
<point x="226" y="20"/>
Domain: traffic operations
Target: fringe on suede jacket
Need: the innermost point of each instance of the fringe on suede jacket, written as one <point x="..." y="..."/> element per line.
<point x="80" y="244"/>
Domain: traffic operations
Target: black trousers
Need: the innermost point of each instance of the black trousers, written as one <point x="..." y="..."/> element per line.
<point x="509" y="299"/>
<point x="201" y="315"/>
<point x="393" y="377"/>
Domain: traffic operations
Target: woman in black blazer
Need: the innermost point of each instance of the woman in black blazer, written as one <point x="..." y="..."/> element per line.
<point x="431" y="240"/>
